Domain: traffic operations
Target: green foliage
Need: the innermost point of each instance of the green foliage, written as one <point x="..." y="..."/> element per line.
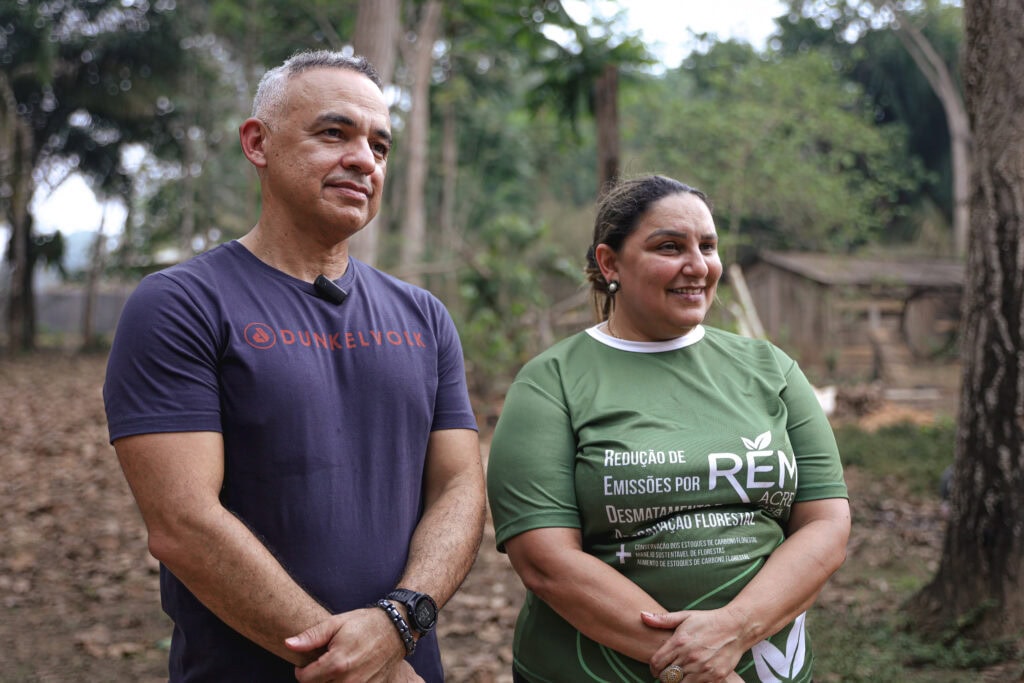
<point x="881" y="649"/>
<point x="91" y="76"/>
<point x="914" y="454"/>
<point x="804" y="147"/>
<point x="283" y="27"/>
<point x="504" y="295"/>
<point x="787" y="150"/>
<point x="570" y="71"/>
<point x="865" y="50"/>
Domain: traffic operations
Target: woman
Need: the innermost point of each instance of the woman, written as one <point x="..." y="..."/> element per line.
<point x="670" y="495"/>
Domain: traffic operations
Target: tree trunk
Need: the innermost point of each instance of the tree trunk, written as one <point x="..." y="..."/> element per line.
<point x="606" y="114"/>
<point x="16" y="172"/>
<point x="378" y="26"/>
<point x="417" y="142"/>
<point x="450" y="237"/>
<point x="980" y="583"/>
<point x="97" y="259"/>
<point x="945" y="88"/>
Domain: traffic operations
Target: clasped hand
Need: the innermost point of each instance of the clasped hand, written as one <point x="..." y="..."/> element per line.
<point x="706" y="644"/>
<point x="357" y="646"/>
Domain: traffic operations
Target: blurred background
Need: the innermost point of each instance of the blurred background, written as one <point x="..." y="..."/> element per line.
<point x="828" y="133"/>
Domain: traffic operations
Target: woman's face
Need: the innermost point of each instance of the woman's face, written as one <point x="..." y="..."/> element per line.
<point x="668" y="270"/>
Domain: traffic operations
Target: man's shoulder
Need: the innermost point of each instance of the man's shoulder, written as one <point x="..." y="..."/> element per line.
<point x="213" y="259"/>
<point x="375" y="276"/>
<point x="214" y="264"/>
<point x="383" y="284"/>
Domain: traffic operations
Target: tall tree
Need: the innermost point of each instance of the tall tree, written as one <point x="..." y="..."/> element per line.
<point x="979" y="587"/>
<point x="85" y="78"/>
<point x="417" y="138"/>
<point x="946" y="88"/>
<point x="581" y="76"/>
<point x="376" y="35"/>
<point x="854" y="23"/>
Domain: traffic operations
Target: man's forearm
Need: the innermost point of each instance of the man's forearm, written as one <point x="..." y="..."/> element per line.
<point x="447" y="539"/>
<point x="234" y="575"/>
<point x="448" y="535"/>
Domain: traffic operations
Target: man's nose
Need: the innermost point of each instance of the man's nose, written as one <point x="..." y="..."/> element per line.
<point x="358" y="156"/>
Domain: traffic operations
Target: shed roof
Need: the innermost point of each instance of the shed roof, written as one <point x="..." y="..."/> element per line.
<point x="832" y="269"/>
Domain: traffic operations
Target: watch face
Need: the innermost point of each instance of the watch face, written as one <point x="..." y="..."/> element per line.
<point x="424" y="614"/>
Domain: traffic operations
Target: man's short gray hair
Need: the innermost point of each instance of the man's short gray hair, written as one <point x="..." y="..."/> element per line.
<point x="270" y="91"/>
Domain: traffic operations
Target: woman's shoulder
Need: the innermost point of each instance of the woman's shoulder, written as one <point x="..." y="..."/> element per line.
<point x="741" y="346"/>
<point x="563" y="353"/>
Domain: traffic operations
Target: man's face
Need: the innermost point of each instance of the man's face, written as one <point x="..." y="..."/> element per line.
<point x="326" y="152"/>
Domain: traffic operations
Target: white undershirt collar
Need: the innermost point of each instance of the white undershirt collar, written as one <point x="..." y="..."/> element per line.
<point x="599" y="333"/>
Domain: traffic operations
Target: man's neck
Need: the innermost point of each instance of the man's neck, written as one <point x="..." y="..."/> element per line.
<point x="297" y="254"/>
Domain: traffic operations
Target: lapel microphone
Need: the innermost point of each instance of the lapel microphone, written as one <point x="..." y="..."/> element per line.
<point x="330" y="291"/>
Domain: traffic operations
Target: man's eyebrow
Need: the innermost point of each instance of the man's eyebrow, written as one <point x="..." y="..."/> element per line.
<point x="342" y="119"/>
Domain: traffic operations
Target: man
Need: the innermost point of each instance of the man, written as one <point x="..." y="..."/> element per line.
<point x="294" y="424"/>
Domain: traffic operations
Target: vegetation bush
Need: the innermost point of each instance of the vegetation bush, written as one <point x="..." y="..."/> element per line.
<point x="915" y="455"/>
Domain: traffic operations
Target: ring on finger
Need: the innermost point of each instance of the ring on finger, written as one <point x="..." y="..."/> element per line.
<point x="671" y="674"/>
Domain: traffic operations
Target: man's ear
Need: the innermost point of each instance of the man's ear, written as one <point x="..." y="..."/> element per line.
<point x="253" y="136"/>
<point x="607" y="261"/>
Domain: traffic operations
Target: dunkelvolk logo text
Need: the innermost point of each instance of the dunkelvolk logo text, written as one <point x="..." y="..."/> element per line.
<point x="262" y="336"/>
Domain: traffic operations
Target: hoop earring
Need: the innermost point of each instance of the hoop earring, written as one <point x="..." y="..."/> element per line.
<point x="613" y="287"/>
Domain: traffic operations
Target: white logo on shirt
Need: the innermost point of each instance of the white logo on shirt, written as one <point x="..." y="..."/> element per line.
<point x="760" y="474"/>
<point x="774" y="666"/>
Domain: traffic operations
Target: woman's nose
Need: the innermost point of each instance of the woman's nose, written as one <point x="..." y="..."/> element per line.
<point x="695" y="265"/>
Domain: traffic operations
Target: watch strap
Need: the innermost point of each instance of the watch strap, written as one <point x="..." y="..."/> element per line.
<point x="412" y="599"/>
<point x="400" y="624"/>
<point x="403" y="595"/>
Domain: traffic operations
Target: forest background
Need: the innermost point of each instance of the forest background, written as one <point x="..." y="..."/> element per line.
<point x="507" y="120"/>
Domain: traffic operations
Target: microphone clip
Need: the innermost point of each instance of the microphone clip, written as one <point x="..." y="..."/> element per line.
<point x="329" y="291"/>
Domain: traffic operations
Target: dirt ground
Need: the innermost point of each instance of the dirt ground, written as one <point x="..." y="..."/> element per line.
<point x="80" y="599"/>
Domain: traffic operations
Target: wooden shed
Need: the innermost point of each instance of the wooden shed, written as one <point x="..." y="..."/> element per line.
<point x="850" y="319"/>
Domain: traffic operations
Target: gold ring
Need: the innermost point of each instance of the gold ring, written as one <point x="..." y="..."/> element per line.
<point x="671" y="674"/>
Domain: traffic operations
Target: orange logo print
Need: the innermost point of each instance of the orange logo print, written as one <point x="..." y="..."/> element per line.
<point x="260" y="336"/>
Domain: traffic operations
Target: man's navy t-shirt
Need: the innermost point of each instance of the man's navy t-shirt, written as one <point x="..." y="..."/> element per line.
<point x="325" y="412"/>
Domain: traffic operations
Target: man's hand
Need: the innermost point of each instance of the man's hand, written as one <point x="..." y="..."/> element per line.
<point x="357" y="646"/>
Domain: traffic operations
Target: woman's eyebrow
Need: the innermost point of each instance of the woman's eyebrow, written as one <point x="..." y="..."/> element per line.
<point x="678" y="234"/>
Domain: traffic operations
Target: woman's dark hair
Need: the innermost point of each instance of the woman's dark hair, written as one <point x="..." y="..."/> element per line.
<point x="618" y="212"/>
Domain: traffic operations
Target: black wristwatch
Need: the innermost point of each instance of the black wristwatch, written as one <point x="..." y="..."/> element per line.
<point x="422" y="608"/>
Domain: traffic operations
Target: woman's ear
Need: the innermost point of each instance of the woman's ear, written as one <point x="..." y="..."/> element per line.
<point x="607" y="261"/>
<point x="253" y="136"/>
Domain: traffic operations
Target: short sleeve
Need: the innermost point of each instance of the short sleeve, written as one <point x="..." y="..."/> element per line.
<point x="810" y="434"/>
<point x="452" y="408"/>
<point x="530" y="470"/>
<point x="162" y="369"/>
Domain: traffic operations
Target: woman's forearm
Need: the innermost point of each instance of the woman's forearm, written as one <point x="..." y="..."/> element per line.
<point x="598" y="601"/>
<point x="795" y="573"/>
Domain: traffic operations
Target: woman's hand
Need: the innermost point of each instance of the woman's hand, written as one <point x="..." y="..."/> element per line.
<point x="706" y="644"/>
